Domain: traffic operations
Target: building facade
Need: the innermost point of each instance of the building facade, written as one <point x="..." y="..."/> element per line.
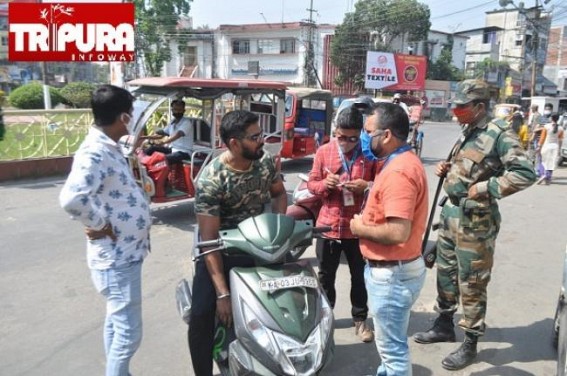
<point x="268" y="51"/>
<point x="556" y="59"/>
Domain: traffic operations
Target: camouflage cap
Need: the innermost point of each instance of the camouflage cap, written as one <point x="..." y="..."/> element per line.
<point x="469" y="90"/>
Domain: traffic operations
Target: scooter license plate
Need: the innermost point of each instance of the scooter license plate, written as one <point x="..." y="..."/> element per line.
<point x="288" y="282"/>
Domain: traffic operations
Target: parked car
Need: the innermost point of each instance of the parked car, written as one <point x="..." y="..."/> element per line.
<point x="346" y="103"/>
<point x="563" y="154"/>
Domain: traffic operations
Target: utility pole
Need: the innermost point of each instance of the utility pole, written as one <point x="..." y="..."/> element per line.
<point x="309" y="67"/>
<point x="535" y="47"/>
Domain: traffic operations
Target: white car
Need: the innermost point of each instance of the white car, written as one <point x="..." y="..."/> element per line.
<point x="349" y="102"/>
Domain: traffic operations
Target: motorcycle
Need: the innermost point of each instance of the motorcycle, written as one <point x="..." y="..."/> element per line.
<point x="283" y="323"/>
<point x="305" y="206"/>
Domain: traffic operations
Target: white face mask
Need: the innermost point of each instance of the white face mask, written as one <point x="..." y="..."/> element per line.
<point x="129" y="124"/>
<point x="547" y="112"/>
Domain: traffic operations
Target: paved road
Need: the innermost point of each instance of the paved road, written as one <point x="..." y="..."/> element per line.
<point x="51" y="318"/>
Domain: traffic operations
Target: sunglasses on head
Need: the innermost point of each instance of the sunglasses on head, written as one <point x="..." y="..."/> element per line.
<point x="352" y="139"/>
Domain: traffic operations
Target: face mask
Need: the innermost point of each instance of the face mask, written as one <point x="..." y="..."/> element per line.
<point x="129" y="124"/>
<point x="465" y="115"/>
<point x="546" y="113"/>
<point x="366" y="144"/>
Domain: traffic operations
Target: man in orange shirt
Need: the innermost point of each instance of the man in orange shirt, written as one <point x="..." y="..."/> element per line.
<point x="391" y="230"/>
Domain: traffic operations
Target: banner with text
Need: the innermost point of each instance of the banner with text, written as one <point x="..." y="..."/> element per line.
<point x="385" y="70"/>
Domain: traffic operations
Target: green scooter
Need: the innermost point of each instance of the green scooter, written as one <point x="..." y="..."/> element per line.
<point x="282" y="321"/>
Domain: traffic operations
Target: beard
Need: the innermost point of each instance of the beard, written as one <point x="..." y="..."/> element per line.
<point x="377" y="149"/>
<point x="253" y="155"/>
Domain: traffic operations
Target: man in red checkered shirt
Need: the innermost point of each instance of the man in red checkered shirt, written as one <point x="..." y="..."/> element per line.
<point x="342" y="176"/>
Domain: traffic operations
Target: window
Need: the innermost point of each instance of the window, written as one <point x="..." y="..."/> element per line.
<point x="489" y="37"/>
<point x="3" y="23"/>
<point x="268" y="46"/>
<point x="190" y="56"/>
<point x="241" y="46"/>
<point x="4" y="41"/>
<point x="287" y="46"/>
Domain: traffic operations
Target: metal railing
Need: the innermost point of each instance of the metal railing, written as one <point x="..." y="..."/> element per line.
<point x="32" y="134"/>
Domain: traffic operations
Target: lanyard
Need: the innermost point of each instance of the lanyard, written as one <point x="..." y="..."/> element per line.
<point x="395" y="153"/>
<point x="347" y="165"/>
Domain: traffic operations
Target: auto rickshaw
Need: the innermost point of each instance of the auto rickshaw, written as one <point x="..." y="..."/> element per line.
<point x="207" y="100"/>
<point x="308" y="115"/>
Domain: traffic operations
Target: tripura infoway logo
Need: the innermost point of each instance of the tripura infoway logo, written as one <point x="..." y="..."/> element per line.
<point x="71" y="32"/>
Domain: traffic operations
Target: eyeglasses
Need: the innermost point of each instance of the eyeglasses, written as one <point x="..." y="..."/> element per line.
<point x="255" y="137"/>
<point x="351" y="139"/>
<point x="376" y="133"/>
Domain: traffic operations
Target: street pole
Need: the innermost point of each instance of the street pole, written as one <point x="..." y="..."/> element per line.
<point x="46" y="94"/>
<point x="535" y="47"/>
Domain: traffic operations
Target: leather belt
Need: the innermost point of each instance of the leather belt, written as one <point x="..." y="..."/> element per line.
<point x="386" y="263"/>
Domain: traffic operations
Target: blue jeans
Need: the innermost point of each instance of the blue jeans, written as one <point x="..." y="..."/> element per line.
<point x="392" y="290"/>
<point x="122" y="288"/>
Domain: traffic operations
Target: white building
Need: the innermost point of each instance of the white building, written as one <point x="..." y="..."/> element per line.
<point x="265" y="51"/>
<point x="432" y="47"/>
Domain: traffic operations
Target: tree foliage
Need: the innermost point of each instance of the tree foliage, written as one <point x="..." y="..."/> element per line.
<point x="157" y="22"/>
<point x="442" y="68"/>
<point x="373" y="26"/>
<point x="78" y="94"/>
<point x="30" y="96"/>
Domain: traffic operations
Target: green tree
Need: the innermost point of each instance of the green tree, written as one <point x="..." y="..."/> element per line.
<point x="442" y="68"/>
<point x="373" y="26"/>
<point x="78" y="94"/>
<point x="489" y="65"/>
<point x="30" y="96"/>
<point x="157" y="22"/>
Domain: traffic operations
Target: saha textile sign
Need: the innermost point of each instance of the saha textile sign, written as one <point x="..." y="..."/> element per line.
<point x="385" y="70"/>
<point x="71" y="32"/>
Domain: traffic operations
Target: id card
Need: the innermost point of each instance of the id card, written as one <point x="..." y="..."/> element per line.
<point x="348" y="198"/>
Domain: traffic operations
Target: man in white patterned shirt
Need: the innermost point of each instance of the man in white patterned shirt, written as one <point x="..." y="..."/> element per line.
<point x="102" y="194"/>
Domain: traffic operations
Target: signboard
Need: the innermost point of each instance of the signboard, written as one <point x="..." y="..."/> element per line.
<point x="380" y="70"/>
<point x="71" y="32"/>
<point x="436" y="98"/>
<point x="385" y="70"/>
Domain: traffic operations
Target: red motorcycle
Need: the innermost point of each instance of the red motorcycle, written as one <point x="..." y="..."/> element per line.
<point x="305" y="206"/>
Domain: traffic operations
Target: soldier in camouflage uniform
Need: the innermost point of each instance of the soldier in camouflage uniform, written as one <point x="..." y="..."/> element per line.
<point x="236" y="185"/>
<point x="488" y="163"/>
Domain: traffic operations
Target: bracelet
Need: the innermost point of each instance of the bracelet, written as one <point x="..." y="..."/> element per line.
<point x="222" y="296"/>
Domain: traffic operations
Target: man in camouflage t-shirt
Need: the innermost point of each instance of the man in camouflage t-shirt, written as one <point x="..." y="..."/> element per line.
<point x="488" y="164"/>
<point x="236" y="185"/>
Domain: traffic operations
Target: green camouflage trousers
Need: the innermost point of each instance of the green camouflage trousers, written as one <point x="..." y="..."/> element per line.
<point x="465" y="250"/>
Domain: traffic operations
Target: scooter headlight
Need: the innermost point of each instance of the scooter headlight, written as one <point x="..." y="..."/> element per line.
<point x="327" y="319"/>
<point x="258" y="331"/>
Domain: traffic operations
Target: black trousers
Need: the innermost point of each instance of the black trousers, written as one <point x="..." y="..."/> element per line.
<point x="329" y="256"/>
<point x="170" y="156"/>
<point x="203" y="314"/>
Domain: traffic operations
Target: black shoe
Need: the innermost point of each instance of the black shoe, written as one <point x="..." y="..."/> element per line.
<point x="443" y="330"/>
<point x="462" y="357"/>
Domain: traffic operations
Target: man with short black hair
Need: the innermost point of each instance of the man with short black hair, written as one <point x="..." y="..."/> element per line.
<point x="176" y="140"/>
<point x="342" y="177"/>
<point x="103" y="195"/>
<point x="238" y="184"/>
<point x="390" y="230"/>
